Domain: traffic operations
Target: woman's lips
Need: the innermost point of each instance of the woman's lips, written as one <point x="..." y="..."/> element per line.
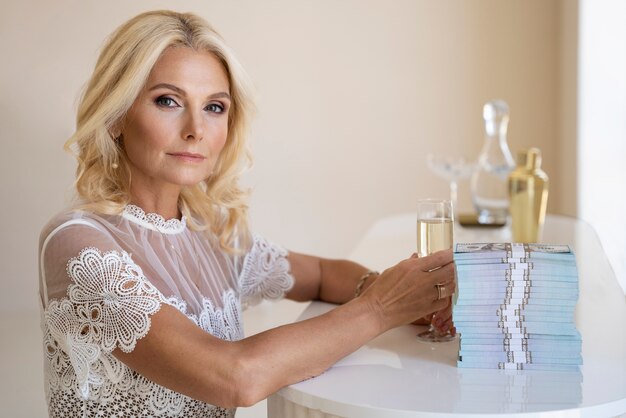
<point x="187" y="157"/>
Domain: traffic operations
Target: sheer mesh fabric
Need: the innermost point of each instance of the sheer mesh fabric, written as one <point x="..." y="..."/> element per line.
<point x="103" y="277"/>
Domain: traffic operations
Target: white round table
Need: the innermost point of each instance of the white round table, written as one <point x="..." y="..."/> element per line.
<point x="396" y="376"/>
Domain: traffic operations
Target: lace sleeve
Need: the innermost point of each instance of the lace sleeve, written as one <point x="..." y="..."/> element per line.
<point x="108" y="305"/>
<point x="265" y="273"/>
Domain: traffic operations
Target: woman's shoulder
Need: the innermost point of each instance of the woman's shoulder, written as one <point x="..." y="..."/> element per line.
<point x="75" y="218"/>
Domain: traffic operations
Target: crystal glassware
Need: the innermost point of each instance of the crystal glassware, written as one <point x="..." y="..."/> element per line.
<point x="495" y="162"/>
<point x="435" y="228"/>
<point x="453" y="169"/>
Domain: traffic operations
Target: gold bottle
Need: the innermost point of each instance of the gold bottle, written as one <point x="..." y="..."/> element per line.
<point x="528" y="194"/>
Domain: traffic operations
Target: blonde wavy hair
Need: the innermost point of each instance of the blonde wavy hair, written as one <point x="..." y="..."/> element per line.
<point x="103" y="178"/>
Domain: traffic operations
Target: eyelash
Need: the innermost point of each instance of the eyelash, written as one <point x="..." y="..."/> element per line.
<point x="220" y="108"/>
<point x="211" y="107"/>
<point x="160" y="101"/>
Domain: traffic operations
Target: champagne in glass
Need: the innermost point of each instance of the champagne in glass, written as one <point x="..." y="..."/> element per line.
<point x="433" y="235"/>
<point x="435" y="222"/>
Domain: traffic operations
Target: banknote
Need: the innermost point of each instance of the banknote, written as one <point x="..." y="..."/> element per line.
<point x="511" y="333"/>
<point x="509" y="256"/>
<point x="554" y="340"/>
<point x="518" y="293"/>
<point x="536" y="287"/>
<point x="509" y="248"/>
<point x="521" y="326"/>
<point x="502" y="309"/>
<point x="557" y="349"/>
<point x="508" y="275"/>
<point x="514" y="328"/>
<point x="523" y="357"/>
<point x="556" y="318"/>
<point x="520" y="366"/>
<point x="524" y="269"/>
<point x="532" y="283"/>
<point x="514" y="261"/>
<point x="515" y="306"/>
<point x="464" y="300"/>
<point x="521" y="329"/>
<point x="544" y="351"/>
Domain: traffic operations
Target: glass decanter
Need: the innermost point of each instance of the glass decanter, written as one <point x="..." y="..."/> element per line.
<point x="495" y="162"/>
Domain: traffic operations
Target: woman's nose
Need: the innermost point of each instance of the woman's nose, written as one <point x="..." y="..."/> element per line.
<point x="194" y="127"/>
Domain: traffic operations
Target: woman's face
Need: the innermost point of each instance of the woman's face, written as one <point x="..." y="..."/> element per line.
<point x="177" y="126"/>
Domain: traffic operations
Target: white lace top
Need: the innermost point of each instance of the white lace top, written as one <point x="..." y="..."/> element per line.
<point x="101" y="279"/>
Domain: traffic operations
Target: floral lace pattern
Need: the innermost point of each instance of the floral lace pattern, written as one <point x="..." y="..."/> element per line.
<point x="109" y="305"/>
<point x="263" y="261"/>
<point x="154" y="221"/>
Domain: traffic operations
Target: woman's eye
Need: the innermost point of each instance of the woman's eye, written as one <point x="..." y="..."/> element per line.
<point x="166" y="101"/>
<point x="215" y="108"/>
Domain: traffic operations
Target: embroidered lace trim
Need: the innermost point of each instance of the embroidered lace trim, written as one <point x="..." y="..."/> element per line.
<point x="109" y="305"/>
<point x="265" y="273"/>
<point x="154" y="221"/>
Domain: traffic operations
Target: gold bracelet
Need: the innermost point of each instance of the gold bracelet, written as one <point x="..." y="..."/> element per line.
<point x="359" y="286"/>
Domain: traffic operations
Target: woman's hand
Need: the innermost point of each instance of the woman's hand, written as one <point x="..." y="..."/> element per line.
<point x="408" y="291"/>
<point x="442" y="321"/>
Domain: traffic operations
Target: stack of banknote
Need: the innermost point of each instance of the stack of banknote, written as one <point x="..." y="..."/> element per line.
<point x="515" y="307"/>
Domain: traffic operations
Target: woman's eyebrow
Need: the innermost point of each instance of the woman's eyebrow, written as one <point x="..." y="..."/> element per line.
<point x="168" y="86"/>
<point x="221" y="95"/>
<point x="180" y="91"/>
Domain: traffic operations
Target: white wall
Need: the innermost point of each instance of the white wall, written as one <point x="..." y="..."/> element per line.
<point x="352" y="94"/>
<point x="375" y="88"/>
<point x="602" y="126"/>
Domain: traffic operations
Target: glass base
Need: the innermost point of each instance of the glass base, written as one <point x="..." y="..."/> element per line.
<point x="492" y="217"/>
<point x="431" y="335"/>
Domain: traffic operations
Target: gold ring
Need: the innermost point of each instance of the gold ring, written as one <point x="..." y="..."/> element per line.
<point x="441" y="291"/>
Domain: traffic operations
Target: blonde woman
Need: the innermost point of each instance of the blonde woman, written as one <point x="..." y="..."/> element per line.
<point x="143" y="280"/>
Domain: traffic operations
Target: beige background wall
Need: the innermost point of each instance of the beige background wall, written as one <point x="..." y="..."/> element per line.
<point x="352" y="96"/>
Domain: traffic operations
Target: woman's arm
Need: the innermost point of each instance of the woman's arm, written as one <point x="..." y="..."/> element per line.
<point x="333" y="281"/>
<point x="179" y="355"/>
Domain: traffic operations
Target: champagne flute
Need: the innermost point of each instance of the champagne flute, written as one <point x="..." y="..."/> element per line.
<point x="435" y="225"/>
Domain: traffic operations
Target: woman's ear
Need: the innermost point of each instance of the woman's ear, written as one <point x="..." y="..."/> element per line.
<point x="116" y="131"/>
<point x="115" y="134"/>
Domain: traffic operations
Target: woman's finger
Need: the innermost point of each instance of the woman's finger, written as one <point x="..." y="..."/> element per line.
<point x="444" y="275"/>
<point x="436" y="260"/>
<point x="439" y="304"/>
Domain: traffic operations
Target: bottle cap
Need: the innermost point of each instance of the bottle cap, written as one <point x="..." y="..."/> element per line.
<point x="533" y="159"/>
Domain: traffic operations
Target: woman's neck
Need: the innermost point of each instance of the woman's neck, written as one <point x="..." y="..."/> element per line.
<point x="163" y="203"/>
